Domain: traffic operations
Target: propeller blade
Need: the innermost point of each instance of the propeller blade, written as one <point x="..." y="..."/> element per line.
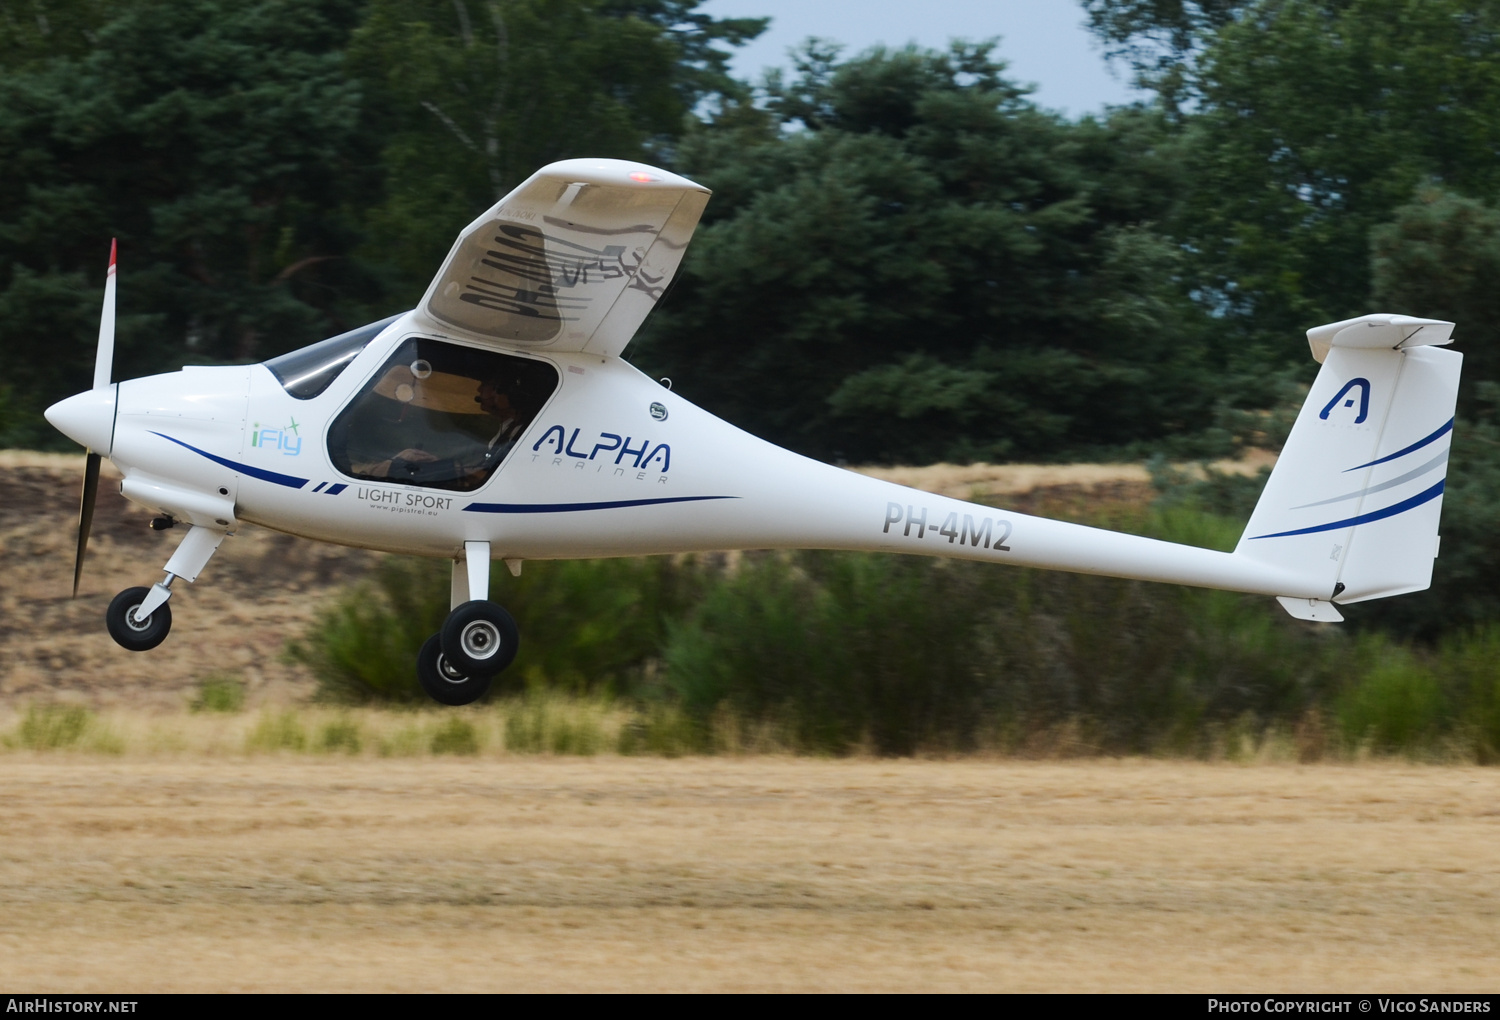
<point x="86" y="513"/>
<point x="104" y="355"/>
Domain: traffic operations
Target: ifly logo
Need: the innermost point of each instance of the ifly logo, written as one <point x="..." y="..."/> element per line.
<point x="1347" y="399"/>
<point x="643" y="456"/>
<point x="286" y="440"/>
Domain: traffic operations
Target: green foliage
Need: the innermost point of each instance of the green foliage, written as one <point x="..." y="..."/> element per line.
<point x="1465" y="592"/>
<point x="1394" y="703"/>
<point x="840" y="648"/>
<point x="1304" y="125"/>
<point x="842" y="651"/>
<point x="219" y="693"/>
<point x="52" y="727"/>
<point x="341" y="735"/>
<point x="593" y="624"/>
<point x="837" y="652"/>
<point x="221" y="143"/>
<point x="36" y="31"/>
<point x="929" y="267"/>
<point x="277" y="731"/>
<point x="1470" y="667"/>
<point x="667" y="731"/>
<point x="545" y="723"/>
<point x="588" y="625"/>
<point x="474" y="97"/>
<point x="281" y="170"/>
<point x="1439" y="258"/>
<point x="365" y="645"/>
<point x="455" y="735"/>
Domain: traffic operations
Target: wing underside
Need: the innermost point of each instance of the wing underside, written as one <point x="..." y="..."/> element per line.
<point x="572" y="260"/>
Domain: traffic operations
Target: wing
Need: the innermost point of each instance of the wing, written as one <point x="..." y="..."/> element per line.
<point x="572" y="260"/>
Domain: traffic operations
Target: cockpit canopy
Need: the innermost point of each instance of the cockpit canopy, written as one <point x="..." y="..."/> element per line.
<point x="308" y="371"/>
<point x="439" y="414"/>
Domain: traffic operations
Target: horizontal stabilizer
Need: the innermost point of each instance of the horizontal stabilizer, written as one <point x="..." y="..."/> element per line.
<point x="1380" y="331"/>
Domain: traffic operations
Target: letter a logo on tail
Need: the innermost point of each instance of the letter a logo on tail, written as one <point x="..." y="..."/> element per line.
<point x="1364" y="400"/>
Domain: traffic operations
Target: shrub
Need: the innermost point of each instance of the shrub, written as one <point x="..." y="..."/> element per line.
<point x="839" y="651"/>
<point x="277" y="731"/>
<point x="552" y="724"/>
<point x="364" y="646"/>
<point x="340" y="735"/>
<point x="1394" y="703"/>
<point x="219" y="693"/>
<point x="586" y="625"/>
<point x="1469" y="665"/>
<point x="455" y="735"/>
<point x="52" y="727"/>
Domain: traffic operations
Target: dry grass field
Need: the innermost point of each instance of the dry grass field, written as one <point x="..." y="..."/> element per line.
<point x="164" y="854"/>
<point x="192" y="873"/>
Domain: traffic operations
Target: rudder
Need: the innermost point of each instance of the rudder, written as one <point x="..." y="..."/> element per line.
<point x="1354" y="500"/>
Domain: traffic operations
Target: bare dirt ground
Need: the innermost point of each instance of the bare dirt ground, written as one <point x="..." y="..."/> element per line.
<point x="198" y="874"/>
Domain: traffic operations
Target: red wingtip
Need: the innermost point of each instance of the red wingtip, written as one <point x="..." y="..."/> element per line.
<point x="112" y="245"/>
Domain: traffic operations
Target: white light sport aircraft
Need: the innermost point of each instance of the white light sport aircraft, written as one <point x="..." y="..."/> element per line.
<point x="497" y="420"/>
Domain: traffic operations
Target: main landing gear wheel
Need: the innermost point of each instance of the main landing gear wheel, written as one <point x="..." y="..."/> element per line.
<point x="128" y="632"/>
<point x="480" y="637"/>
<point x="442" y="682"/>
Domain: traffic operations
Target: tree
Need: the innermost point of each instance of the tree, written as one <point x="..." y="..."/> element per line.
<point x="1161" y="38"/>
<point x="220" y="143"/>
<point x="35" y="31"/>
<point x="476" y="96"/>
<point x="1439" y="258"/>
<point x="905" y="259"/>
<point x="1311" y="121"/>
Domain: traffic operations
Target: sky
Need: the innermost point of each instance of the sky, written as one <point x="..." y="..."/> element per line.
<point x="1044" y="41"/>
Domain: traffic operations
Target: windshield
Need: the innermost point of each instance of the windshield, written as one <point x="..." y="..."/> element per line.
<point x="307" y="372"/>
<point x="439" y="415"/>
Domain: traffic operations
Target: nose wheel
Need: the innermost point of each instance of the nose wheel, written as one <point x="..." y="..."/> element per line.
<point x="139" y="618"/>
<point x="135" y="630"/>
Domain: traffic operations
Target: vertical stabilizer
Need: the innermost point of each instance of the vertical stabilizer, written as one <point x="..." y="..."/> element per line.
<point x="1354" y="500"/>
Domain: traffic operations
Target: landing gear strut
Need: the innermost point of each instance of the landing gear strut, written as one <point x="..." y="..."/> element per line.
<point x="478" y="640"/>
<point x="139" y="618"/>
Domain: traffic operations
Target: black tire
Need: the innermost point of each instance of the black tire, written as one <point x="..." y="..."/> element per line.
<point x="128" y="633"/>
<point x="442" y="682"/>
<point x="480" y="637"/>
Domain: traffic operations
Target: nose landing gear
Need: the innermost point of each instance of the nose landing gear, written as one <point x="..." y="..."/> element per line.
<point x="139" y="618"/>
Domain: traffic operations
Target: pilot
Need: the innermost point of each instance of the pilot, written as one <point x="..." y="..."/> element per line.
<point x="496" y="401"/>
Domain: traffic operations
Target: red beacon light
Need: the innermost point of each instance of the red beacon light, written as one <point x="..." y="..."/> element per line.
<point x="641" y="177"/>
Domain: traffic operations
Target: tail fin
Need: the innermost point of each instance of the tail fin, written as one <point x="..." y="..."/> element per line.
<point x="1354" y="500"/>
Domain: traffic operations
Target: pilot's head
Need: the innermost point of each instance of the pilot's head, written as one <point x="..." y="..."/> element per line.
<point x="493" y="398"/>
